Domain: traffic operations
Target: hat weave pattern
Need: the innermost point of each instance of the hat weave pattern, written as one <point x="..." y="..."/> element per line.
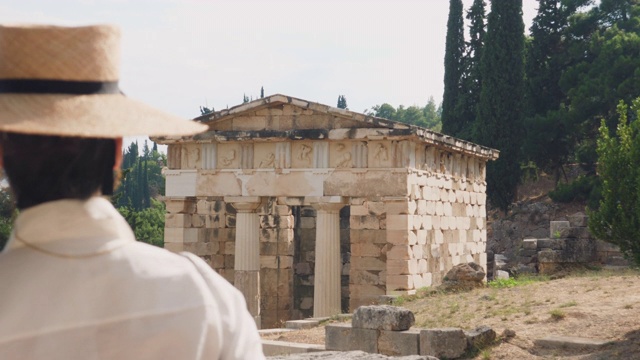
<point x="74" y="54"/>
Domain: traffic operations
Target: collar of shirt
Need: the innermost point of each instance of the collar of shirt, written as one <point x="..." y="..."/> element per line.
<point x="71" y="228"/>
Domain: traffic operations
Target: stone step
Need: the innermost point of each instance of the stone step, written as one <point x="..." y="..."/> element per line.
<point x="570" y="342"/>
<point x="305" y="323"/>
<point x="274" y="347"/>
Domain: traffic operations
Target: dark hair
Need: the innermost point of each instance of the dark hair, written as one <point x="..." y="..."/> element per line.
<point x="46" y="168"/>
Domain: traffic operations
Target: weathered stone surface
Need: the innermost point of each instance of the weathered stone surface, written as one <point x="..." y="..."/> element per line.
<point x="549" y="256"/>
<point x="350" y="355"/>
<point x="398" y="343"/>
<point x="578" y="220"/>
<point x="556" y="226"/>
<point x="448" y="343"/>
<point x="480" y="337"/>
<point x="570" y="342"/>
<point x="530" y="244"/>
<point x="343" y="337"/>
<point x="501" y="275"/>
<point x="383" y="317"/>
<point x="553" y="244"/>
<point x="464" y="276"/>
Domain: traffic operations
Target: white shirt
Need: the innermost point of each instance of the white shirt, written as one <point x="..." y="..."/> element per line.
<point x="74" y="284"/>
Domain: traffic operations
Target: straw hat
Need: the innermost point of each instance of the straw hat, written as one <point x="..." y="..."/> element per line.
<point x="64" y="81"/>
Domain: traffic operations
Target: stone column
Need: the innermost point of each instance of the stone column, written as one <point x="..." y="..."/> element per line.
<point x="326" y="293"/>
<point x="247" y="252"/>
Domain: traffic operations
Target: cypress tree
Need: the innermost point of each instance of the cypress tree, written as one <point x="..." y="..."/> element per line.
<point x="454" y="50"/>
<point x="261" y="92"/>
<point x="342" y="102"/>
<point x="543" y="66"/>
<point x="499" y="118"/>
<point x="546" y="124"/>
<point x="471" y="76"/>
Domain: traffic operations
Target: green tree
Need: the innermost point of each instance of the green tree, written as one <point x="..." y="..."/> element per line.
<point x="471" y="79"/>
<point x="431" y="115"/>
<point x="141" y="177"/>
<point x="427" y="116"/>
<point x="261" y="92"/>
<point x="7" y="214"/>
<point x="147" y="224"/>
<point x="499" y="116"/>
<point x="385" y="111"/>
<point x="342" y="102"/>
<point x="546" y="124"/>
<point x="454" y="50"/>
<point x="617" y="219"/>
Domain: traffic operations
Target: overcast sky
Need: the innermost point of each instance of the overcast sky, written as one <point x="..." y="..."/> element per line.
<point x="179" y="55"/>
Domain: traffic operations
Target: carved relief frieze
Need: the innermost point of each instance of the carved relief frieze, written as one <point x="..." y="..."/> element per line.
<point x="264" y="156"/>
<point x="302" y="155"/>
<point x="191" y="156"/>
<point x="482" y="171"/>
<point x="430" y="154"/>
<point x="340" y="155"/>
<point x="456" y="164"/>
<point x="380" y="154"/>
<point x="471" y="175"/>
<point x="228" y="156"/>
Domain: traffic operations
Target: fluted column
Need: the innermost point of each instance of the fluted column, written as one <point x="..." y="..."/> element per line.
<point x="326" y="293"/>
<point x="247" y="252"/>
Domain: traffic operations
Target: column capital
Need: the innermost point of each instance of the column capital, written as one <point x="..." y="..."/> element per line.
<point x="243" y="203"/>
<point x="328" y="207"/>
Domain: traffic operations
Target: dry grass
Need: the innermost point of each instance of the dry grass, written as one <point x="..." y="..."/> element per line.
<point x="600" y="305"/>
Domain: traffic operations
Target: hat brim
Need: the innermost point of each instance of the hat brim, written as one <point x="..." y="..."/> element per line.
<point x="96" y="116"/>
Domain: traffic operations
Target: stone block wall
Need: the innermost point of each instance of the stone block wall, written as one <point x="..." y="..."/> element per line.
<point x="277" y="251"/>
<point x="368" y="270"/>
<point x="569" y="242"/>
<point x="441" y="223"/>
<point x="205" y="227"/>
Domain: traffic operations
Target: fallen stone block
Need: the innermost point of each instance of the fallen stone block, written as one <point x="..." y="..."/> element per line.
<point x="570" y="342"/>
<point x="399" y="343"/>
<point x="501" y="275"/>
<point x="351" y="355"/>
<point x="464" y="277"/>
<point x="383" y="317"/>
<point x="448" y="343"/>
<point x="343" y="337"/>
<point x="480" y="337"/>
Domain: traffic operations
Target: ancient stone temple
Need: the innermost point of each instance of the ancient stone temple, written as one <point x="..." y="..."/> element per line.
<point x="311" y="210"/>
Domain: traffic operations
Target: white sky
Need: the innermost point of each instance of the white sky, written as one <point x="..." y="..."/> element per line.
<point x="179" y="55"/>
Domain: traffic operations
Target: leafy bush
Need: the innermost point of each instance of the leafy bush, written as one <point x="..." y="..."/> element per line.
<point x="617" y="219"/>
<point x="583" y="188"/>
<point x="147" y="224"/>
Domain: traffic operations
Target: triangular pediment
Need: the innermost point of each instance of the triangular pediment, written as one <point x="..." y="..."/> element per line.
<point x="286" y="113"/>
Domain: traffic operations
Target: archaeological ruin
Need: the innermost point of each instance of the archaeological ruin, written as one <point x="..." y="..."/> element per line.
<point x="311" y="210"/>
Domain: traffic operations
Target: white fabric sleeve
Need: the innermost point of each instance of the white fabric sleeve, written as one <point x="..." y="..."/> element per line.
<point x="240" y="335"/>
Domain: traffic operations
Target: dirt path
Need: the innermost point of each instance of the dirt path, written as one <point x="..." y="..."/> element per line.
<point x="599" y="305"/>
